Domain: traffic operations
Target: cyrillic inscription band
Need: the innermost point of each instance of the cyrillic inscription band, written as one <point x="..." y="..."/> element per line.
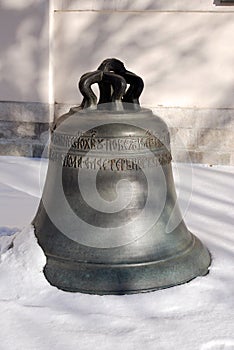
<point x="115" y="164"/>
<point x="87" y="143"/>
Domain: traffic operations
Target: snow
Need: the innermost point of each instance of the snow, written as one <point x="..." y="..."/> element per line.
<point x="37" y="316"/>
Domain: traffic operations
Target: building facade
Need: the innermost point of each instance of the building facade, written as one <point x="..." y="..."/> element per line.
<point x="182" y="49"/>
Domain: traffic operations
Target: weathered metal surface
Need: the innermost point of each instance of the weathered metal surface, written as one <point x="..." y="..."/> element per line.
<point x="108" y="221"/>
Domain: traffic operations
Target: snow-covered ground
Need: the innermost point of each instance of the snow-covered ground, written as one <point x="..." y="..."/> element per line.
<point x="37" y="316"/>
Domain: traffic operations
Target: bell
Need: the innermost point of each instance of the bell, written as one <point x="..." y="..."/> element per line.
<point x="108" y="220"/>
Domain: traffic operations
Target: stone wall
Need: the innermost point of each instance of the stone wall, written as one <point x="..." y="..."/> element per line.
<point x="24" y="128"/>
<point x="200" y="135"/>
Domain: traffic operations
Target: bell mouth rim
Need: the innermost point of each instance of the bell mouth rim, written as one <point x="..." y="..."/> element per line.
<point x="142" y="278"/>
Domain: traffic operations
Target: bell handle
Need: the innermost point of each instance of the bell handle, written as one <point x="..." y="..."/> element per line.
<point x="115" y="86"/>
<point x="135" y="89"/>
<point x="87" y="79"/>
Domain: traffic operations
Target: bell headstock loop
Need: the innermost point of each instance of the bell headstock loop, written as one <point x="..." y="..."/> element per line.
<point x="113" y="80"/>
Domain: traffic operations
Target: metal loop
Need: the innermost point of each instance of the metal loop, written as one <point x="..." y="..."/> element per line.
<point x="112" y="78"/>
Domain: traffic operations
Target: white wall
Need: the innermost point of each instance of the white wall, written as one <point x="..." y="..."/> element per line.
<point x="25" y="91"/>
<point x="140" y="5"/>
<point x="182" y="49"/>
<point x="24" y="50"/>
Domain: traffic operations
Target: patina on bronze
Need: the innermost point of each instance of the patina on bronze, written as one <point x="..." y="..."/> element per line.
<point x="108" y="220"/>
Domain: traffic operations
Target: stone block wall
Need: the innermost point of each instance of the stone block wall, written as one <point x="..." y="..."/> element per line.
<point x="24" y="128"/>
<point x="200" y="135"/>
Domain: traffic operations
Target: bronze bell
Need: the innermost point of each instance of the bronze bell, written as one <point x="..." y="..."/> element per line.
<point x="108" y="220"/>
